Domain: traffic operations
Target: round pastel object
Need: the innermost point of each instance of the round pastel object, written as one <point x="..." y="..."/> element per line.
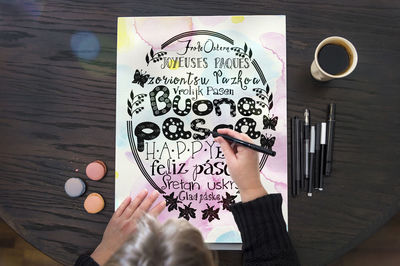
<point x="75" y="187"/>
<point x="94" y="203"/>
<point x="96" y="170"/>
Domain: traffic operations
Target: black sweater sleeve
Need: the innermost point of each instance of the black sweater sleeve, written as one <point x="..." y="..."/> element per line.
<point x="263" y="231"/>
<point x="85" y="260"/>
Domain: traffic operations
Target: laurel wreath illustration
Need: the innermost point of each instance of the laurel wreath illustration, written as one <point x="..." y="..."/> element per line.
<point x="154" y="57"/>
<point x="243" y="52"/>
<point x="134" y="102"/>
<point x="264" y="94"/>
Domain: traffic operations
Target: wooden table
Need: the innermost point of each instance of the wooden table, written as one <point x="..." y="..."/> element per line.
<point x="57" y="113"/>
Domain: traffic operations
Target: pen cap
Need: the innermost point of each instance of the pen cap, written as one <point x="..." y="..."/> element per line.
<point x="323" y="133"/>
<point x="312" y="140"/>
<point x="332" y="111"/>
<point x="307" y="124"/>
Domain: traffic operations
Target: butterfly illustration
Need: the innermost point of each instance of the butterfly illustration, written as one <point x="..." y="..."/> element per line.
<point x="267" y="141"/>
<point x="187" y="212"/>
<point x="140" y="78"/>
<point x="210" y="213"/>
<point x="270" y="122"/>
<point x="172" y="202"/>
<point x="227" y="201"/>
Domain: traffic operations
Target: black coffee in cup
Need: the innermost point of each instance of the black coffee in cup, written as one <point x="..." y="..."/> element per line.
<point x="333" y="59"/>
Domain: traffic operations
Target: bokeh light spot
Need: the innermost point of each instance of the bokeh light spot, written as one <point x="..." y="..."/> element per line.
<point x="85" y="45"/>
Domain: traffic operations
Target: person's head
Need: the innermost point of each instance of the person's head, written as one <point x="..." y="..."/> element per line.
<point x="176" y="242"/>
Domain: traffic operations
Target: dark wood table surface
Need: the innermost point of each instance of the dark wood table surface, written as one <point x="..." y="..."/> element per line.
<point x="57" y="113"/>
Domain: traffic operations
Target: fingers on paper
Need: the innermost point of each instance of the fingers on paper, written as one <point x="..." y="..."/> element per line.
<point x="135" y="203"/>
<point x="120" y="210"/>
<point x="146" y="204"/>
<point x="226" y="149"/>
<point x="235" y="134"/>
<point x="156" y="210"/>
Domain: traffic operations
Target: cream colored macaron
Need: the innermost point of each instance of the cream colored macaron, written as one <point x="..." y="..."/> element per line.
<point x="74" y="187"/>
<point x="94" y="203"/>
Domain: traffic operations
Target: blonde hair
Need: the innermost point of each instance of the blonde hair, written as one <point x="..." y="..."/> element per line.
<point x="176" y="242"/>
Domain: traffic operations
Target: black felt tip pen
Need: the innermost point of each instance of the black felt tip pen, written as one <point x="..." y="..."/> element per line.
<point x="330" y="137"/>
<point x="317" y="155"/>
<point x="298" y="156"/>
<point x="312" y="158"/>
<point x="322" y="158"/>
<point x="302" y="157"/>
<point x="244" y="143"/>
<point x="306" y="142"/>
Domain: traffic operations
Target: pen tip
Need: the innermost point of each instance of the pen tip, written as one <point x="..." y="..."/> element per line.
<point x="307" y="117"/>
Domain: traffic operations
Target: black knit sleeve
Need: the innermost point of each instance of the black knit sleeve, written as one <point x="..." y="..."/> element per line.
<point x="263" y="230"/>
<point x="85" y="260"/>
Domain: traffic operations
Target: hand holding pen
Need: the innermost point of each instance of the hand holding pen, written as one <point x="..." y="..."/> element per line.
<point x="242" y="164"/>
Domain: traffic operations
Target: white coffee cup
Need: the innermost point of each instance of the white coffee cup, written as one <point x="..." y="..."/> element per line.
<point x="319" y="74"/>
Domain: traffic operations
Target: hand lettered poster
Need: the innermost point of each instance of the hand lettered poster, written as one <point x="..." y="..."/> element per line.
<point x="178" y="78"/>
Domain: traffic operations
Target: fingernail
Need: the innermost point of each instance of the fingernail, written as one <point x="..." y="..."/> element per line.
<point x="155" y="193"/>
<point x="163" y="203"/>
<point x="143" y="192"/>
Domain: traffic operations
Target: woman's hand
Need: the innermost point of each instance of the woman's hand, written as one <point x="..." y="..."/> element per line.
<point x="123" y="223"/>
<point x="243" y="165"/>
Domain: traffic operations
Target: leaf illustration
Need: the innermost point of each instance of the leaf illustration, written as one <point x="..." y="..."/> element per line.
<point x="147" y="59"/>
<point x="267" y="88"/>
<point x="172" y="202"/>
<point x="129" y="104"/>
<point x="129" y="112"/>
<point x="138" y="110"/>
<point x="250" y="53"/>
<point x="270" y="98"/>
<point x="131" y="95"/>
<point x="227" y="201"/>
<point x="210" y="213"/>
<point x="140" y="96"/>
<point x="138" y="102"/>
<point x="187" y="212"/>
<point x="245" y="47"/>
<point x="152" y="53"/>
<point x="270" y="106"/>
<point x="261" y="104"/>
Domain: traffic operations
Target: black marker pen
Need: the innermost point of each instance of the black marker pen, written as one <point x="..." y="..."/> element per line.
<point x="311" y="168"/>
<point x="306" y="143"/>
<point x="317" y="155"/>
<point x="244" y="143"/>
<point x="302" y="157"/>
<point x="322" y="160"/>
<point x="298" y="157"/>
<point x="330" y="137"/>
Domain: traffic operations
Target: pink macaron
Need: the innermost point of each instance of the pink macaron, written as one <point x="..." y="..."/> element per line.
<point x="96" y="170"/>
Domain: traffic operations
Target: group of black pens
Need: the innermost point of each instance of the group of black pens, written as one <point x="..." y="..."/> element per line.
<point x="312" y="150"/>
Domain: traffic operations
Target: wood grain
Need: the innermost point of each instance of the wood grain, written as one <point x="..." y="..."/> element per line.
<point x="57" y="113"/>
